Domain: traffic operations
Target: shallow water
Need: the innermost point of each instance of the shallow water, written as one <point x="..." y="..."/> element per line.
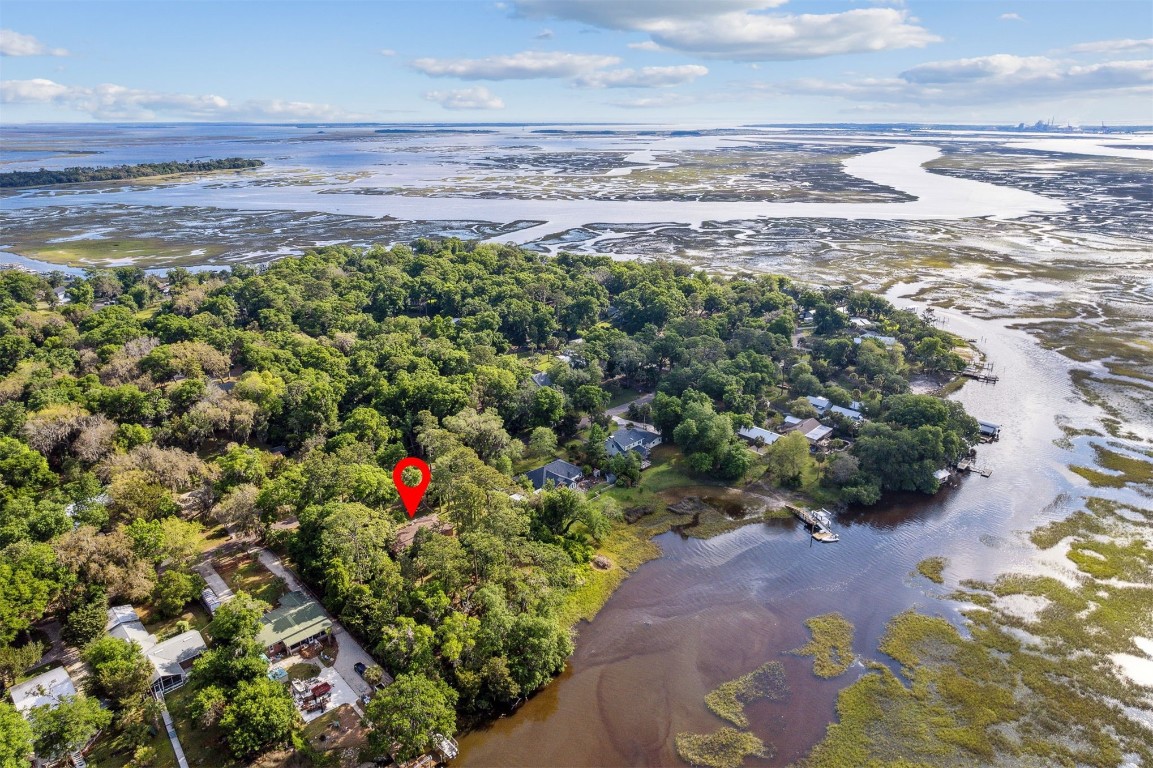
<point x="710" y="611"/>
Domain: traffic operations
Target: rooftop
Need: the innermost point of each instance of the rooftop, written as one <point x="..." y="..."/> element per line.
<point x="559" y="471"/>
<point x="298" y="618"/>
<point x="752" y="433"/>
<point x="166" y="657"/>
<point x="43" y="690"/>
<point x="625" y="439"/>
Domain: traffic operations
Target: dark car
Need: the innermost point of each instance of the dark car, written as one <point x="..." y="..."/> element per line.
<point x="360" y="668"/>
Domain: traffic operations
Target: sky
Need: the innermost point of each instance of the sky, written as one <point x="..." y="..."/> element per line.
<point x="693" y="62"/>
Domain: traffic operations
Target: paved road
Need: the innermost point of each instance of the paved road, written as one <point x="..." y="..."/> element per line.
<point x="618" y="413"/>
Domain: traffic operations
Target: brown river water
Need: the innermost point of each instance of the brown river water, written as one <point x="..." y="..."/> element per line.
<point x="710" y="611"/>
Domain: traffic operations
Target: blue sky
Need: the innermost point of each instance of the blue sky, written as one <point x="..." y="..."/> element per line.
<point x="683" y="61"/>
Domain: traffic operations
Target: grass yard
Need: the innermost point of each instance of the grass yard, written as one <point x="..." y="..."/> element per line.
<point x="163" y="627"/>
<point x="203" y="747"/>
<point x="243" y="572"/>
<point x="106" y="755"/>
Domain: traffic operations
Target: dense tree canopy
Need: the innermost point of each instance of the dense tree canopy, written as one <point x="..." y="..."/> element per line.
<point x="255" y="396"/>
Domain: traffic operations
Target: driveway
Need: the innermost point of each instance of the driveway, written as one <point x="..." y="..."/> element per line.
<point x="350" y="650"/>
<point x="621" y="420"/>
<point x="342" y="693"/>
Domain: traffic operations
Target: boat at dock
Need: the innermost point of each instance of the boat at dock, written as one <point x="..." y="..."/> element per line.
<point x="819" y="522"/>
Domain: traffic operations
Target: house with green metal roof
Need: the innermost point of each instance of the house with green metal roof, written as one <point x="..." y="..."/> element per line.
<point x="298" y="620"/>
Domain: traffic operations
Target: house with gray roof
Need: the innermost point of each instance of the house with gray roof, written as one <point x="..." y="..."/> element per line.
<point x="759" y="435"/>
<point x="848" y="413"/>
<point x="813" y="430"/>
<point x="542" y="379"/>
<point x="820" y="403"/>
<point x="625" y="439"/>
<point x="172" y="658"/>
<point x="559" y="472"/>
<point x="44" y="690"/>
<point x="888" y="341"/>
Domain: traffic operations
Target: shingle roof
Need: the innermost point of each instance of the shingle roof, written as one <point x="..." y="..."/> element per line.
<point x="625" y="439"/>
<point x="558" y="471"/>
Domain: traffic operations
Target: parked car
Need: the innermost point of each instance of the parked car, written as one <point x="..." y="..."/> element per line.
<point x="360" y="668"/>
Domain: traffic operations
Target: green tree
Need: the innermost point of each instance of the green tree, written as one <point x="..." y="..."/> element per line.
<point x="260" y="714"/>
<point x="29" y="580"/>
<point x="409" y="713"/>
<point x="120" y="670"/>
<point x="86" y="621"/>
<point x="547" y="406"/>
<point x="15" y="738"/>
<point x="542" y="442"/>
<point x="15" y="659"/>
<point x="62" y="729"/>
<point x="174" y="590"/>
<point x="238" y="620"/>
<point x="788" y="457"/>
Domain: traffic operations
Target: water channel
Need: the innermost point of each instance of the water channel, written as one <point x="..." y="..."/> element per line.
<point x="710" y="611"/>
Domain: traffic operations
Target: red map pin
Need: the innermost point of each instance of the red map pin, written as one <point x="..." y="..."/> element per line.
<point x="411" y="495"/>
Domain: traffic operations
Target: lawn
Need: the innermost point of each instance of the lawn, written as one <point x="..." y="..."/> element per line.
<point x="105" y="755"/>
<point x="202" y="746"/>
<point x="243" y="572"/>
<point x="163" y="627"/>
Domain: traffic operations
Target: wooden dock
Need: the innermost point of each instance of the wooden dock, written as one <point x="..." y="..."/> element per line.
<point x="982" y="374"/>
<point x="968" y="465"/>
<point x="817" y="521"/>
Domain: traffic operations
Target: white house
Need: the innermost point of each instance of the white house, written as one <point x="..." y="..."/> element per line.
<point x="44" y="690"/>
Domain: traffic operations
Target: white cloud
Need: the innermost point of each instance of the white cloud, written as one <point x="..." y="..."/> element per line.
<point x="526" y="65"/>
<point x="647" y="45"/>
<point x="117" y="102"/>
<point x="387" y="52"/>
<point x="13" y="43"/>
<point x="467" y="98"/>
<point x="544" y="34"/>
<point x="986" y="80"/>
<point x="1113" y="46"/>
<point x="636" y="14"/>
<point x="1011" y="17"/>
<point x="739" y="30"/>
<point x="653" y="102"/>
<point x="645" y="77"/>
